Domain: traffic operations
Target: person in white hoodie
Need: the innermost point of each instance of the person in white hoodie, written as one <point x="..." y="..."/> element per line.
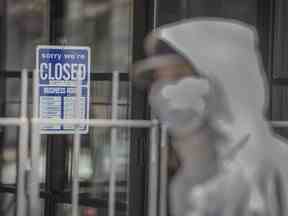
<point x="206" y="82"/>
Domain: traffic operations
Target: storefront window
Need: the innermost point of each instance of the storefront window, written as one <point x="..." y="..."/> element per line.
<point x="106" y="27"/>
<point x="103" y="25"/>
<point x="26" y="27"/>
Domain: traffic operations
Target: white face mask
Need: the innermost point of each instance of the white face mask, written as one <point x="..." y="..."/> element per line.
<point x="180" y="104"/>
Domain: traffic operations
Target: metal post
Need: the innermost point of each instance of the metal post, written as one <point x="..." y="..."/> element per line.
<point x="24" y="93"/>
<point x="279" y="124"/>
<point x="153" y="166"/>
<point x="184" y="8"/>
<point x="153" y="172"/>
<point x="75" y="172"/>
<point x="164" y="171"/>
<point x="35" y="152"/>
<point x="112" y="179"/>
<point x="76" y="149"/>
<point x="23" y="147"/>
<point x="34" y="176"/>
<point x="155" y="11"/>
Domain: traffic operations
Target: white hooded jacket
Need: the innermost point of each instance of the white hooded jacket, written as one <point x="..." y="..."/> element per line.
<point x="253" y="175"/>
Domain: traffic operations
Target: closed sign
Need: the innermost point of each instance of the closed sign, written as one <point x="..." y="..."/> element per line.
<point x="59" y="68"/>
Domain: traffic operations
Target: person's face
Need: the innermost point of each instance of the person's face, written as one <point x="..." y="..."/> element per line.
<point x="172" y="72"/>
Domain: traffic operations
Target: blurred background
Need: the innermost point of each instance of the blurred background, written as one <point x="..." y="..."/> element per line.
<point x="114" y="30"/>
<point x="104" y="26"/>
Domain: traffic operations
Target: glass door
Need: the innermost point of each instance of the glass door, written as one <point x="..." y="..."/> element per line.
<point x="106" y="26"/>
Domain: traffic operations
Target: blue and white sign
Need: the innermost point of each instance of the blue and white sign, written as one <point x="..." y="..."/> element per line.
<point x="58" y="70"/>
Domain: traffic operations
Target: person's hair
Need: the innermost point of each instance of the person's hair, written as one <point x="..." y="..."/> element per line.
<point x="163" y="48"/>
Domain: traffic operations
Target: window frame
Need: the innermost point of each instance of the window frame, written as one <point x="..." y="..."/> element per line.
<point x="57" y="149"/>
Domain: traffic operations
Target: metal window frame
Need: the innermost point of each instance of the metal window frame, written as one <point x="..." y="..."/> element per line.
<point x="56" y="13"/>
<point x="22" y="163"/>
<point x="138" y="198"/>
<point x="32" y="165"/>
<point x="137" y="195"/>
<point x="77" y="122"/>
<point x="3" y="42"/>
<point x="34" y="184"/>
<point x="140" y="151"/>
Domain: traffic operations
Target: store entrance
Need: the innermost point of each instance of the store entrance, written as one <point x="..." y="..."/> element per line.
<point x="106" y="26"/>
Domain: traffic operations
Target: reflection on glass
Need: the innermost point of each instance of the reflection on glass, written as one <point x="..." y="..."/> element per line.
<point x="95" y="158"/>
<point x="7" y="204"/>
<point x="26" y="27"/>
<point x="103" y="25"/>
<point x="9" y="138"/>
<point x="9" y="135"/>
<point x="66" y="210"/>
<point x="8" y="156"/>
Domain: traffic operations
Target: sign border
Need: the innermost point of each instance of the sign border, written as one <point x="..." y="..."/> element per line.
<point x="67" y="131"/>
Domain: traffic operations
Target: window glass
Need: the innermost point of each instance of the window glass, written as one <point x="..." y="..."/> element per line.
<point x="7" y="204"/>
<point x="26" y="27"/>
<point x="103" y="25"/>
<point x="9" y="135"/>
<point x="95" y="156"/>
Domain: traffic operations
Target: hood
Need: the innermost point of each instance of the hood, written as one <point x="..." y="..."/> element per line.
<point x="226" y="53"/>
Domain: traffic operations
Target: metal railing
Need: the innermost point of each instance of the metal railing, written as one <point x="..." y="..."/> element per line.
<point x="114" y="124"/>
<point x="31" y="165"/>
<point x="28" y="199"/>
<point x="23" y="163"/>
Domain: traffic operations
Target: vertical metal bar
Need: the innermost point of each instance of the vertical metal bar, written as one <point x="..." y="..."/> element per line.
<point x="75" y="172"/>
<point x="153" y="164"/>
<point x="3" y="56"/>
<point x="35" y="152"/>
<point x="112" y="179"/>
<point x="35" y="95"/>
<point x="164" y="171"/>
<point x="22" y="165"/>
<point x="23" y="147"/>
<point x="137" y="197"/>
<point x="24" y="93"/>
<point x="153" y="172"/>
<point x="56" y="144"/>
<point x="152" y="205"/>
<point x="34" y="176"/>
<point x="184" y="6"/>
<point x="76" y="150"/>
<point x="155" y="14"/>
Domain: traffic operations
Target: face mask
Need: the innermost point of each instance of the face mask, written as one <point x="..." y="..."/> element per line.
<point x="180" y="105"/>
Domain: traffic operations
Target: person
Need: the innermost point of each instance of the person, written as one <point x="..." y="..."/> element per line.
<point x="206" y="83"/>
